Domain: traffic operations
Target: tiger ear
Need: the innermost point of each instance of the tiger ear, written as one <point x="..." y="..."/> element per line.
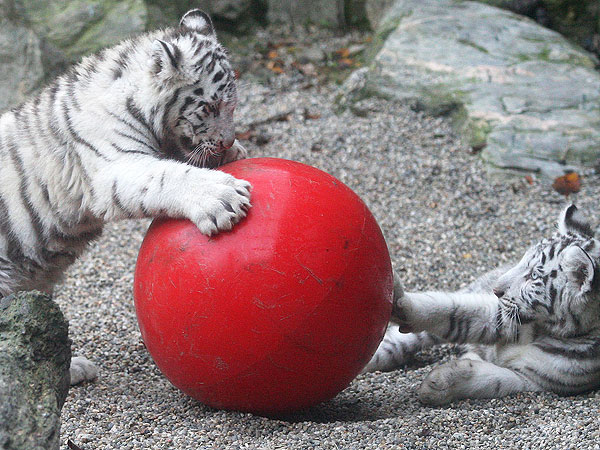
<point x="198" y="21"/>
<point x="579" y="268"/>
<point x="571" y="220"/>
<point x="166" y="58"/>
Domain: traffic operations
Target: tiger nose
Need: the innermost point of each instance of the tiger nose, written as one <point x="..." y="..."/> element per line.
<point x="228" y="140"/>
<point x="498" y="292"/>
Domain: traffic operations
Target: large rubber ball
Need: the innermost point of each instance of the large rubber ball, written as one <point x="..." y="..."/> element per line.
<point x="277" y="315"/>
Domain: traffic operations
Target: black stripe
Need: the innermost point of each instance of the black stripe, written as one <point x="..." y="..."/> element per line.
<point x="132" y="127"/>
<point x="122" y="150"/>
<point x="188" y="101"/>
<point x="73" y="239"/>
<point x="137" y="114"/>
<point x="14" y="249"/>
<point x="173" y="56"/>
<point x="563" y="383"/>
<point x="451" y="323"/>
<point x="139" y="141"/>
<point x="202" y="61"/>
<point x="116" y="200"/>
<point x="218" y="76"/>
<point x="551" y="251"/>
<point x="76" y="137"/>
<point x="591" y="351"/>
<point x="24" y="192"/>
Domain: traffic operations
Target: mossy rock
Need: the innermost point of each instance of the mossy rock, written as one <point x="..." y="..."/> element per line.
<point x="35" y="354"/>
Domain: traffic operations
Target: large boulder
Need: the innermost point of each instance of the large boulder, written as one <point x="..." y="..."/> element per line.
<point x="329" y="13"/>
<point x="35" y="353"/>
<point x="22" y="67"/>
<point x="78" y="27"/>
<point x="578" y="20"/>
<point x="522" y="94"/>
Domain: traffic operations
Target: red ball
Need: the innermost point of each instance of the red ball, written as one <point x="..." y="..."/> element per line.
<point x="277" y="315"/>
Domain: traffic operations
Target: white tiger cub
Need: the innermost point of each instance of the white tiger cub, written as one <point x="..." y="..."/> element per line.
<point x="539" y="323"/>
<point x="128" y="133"/>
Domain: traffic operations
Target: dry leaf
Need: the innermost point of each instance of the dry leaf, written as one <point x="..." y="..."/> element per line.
<point x="342" y="53"/>
<point x="272" y="54"/>
<point x="569" y="183"/>
<point x="346" y="62"/>
<point x="529" y="179"/>
<point x="245" y="135"/>
<point x="275" y="66"/>
<point x="283" y="117"/>
<point x="311" y="116"/>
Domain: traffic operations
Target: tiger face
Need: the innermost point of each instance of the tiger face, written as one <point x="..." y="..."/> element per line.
<point x="555" y="281"/>
<point x="198" y="125"/>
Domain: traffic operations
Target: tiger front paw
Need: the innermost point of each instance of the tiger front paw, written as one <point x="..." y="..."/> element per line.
<point x="220" y="204"/>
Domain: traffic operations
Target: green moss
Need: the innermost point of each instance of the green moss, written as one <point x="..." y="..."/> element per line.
<point x="474" y="45"/>
<point x="380" y="36"/>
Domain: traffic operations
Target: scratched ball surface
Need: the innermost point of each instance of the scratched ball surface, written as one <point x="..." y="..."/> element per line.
<point x="277" y="315"/>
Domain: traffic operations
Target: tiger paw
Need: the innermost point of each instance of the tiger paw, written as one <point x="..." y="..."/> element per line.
<point x="221" y="204"/>
<point x="442" y="385"/>
<point x="82" y="370"/>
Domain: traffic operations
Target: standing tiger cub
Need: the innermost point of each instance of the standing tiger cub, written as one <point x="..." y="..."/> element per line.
<point x="534" y="326"/>
<point x="131" y="132"/>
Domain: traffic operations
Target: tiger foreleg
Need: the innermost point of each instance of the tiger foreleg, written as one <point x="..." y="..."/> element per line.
<point x="146" y="187"/>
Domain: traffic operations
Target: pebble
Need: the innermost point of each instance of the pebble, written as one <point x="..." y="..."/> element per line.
<point x="434" y="204"/>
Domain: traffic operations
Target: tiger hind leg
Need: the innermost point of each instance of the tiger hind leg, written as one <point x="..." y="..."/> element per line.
<point x="468" y="378"/>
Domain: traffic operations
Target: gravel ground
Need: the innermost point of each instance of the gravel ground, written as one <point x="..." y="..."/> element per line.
<point x="445" y="222"/>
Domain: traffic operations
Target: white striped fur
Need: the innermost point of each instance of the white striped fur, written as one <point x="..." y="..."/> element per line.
<point x="131" y="132"/>
<point x="531" y="327"/>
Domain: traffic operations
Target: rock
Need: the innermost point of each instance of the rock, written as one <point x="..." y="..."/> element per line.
<point x="328" y="13"/>
<point x="35" y="352"/>
<point x="79" y="27"/>
<point x="22" y="69"/>
<point x="521" y="93"/>
<point x="578" y="20"/>
<point x="376" y="10"/>
<point x="232" y="10"/>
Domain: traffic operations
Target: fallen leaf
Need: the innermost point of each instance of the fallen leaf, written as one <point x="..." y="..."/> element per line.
<point x="283" y="117"/>
<point x="275" y="66"/>
<point x="272" y="54"/>
<point x="529" y="179"/>
<point x="245" y="135"/>
<point x="346" y="62"/>
<point x="467" y="256"/>
<point x="342" y="53"/>
<point x="570" y="183"/>
<point x="311" y="116"/>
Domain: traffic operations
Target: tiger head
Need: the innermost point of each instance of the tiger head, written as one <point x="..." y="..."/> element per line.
<point x="556" y="284"/>
<point x="198" y="85"/>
